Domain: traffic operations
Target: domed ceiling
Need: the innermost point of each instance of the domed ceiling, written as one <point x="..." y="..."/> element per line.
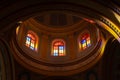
<point x="57" y="19"/>
<point x="57" y="44"/>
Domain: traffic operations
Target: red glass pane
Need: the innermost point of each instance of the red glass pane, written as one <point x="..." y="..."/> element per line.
<point x="31" y="36"/>
<point x="58" y="43"/>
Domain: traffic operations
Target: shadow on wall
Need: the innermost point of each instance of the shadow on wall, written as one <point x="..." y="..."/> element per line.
<point x="91" y="75"/>
<point x="24" y="76"/>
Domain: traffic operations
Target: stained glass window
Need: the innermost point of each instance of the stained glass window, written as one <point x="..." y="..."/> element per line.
<point x="58" y="48"/>
<point x="31" y="41"/>
<point x="85" y="41"/>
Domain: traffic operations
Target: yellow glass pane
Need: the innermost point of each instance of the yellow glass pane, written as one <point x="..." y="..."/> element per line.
<point x="84" y="46"/>
<point x="32" y="44"/>
<point x="88" y="42"/>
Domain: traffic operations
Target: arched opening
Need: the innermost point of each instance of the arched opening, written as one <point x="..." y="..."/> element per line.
<point x="84" y="41"/>
<point x="58" y="48"/>
<point x="31" y="40"/>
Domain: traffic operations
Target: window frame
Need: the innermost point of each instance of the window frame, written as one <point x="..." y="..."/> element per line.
<point x="87" y="40"/>
<point x="33" y="40"/>
<point x="63" y="51"/>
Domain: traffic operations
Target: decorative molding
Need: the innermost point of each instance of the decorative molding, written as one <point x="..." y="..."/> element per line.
<point x="7" y="61"/>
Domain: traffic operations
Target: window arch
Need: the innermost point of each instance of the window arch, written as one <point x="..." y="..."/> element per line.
<point x="58" y="48"/>
<point x="84" y="41"/>
<point x="31" y="40"/>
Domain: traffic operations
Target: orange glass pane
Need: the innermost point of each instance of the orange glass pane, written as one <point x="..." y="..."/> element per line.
<point x="56" y="47"/>
<point x="27" y="45"/>
<point x="61" y="54"/>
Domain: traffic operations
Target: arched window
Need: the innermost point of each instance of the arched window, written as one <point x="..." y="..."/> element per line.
<point x="31" y="40"/>
<point x="85" y="41"/>
<point x="58" y="48"/>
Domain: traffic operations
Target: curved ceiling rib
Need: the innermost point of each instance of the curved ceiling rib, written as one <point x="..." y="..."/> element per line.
<point x="82" y="7"/>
